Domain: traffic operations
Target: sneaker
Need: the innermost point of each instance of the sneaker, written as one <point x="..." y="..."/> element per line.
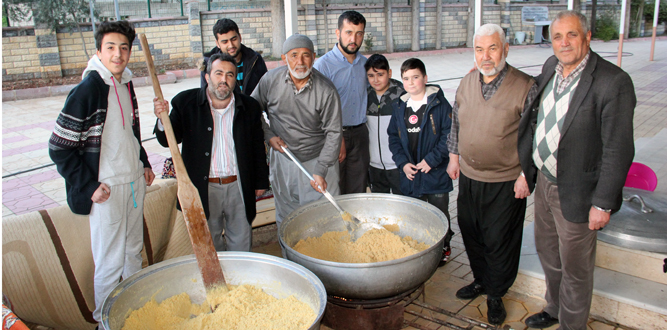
<point x="446" y="253"/>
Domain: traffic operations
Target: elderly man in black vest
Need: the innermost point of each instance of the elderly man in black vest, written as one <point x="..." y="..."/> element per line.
<point x="484" y="157"/>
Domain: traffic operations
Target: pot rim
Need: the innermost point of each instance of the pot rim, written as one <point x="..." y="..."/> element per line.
<point x="365" y="196"/>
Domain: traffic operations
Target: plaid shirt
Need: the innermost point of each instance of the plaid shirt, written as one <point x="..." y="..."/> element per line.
<point x="563" y="82"/>
<point x="488" y="90"/>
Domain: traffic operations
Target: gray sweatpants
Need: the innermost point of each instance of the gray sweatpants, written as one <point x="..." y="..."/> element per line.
<point x="291" y="188"/>
<point x="116" y="238"/>
<point x="227" y="212"/>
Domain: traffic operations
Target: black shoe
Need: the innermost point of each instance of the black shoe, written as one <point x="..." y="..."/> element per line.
<point x="496" y="311"/>
<point x="446" y="252"/>
<point x="470" y="291"/>
<point x="541" y="320"/>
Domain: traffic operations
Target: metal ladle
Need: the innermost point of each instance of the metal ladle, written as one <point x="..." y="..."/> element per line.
<point x="355" y="227"/>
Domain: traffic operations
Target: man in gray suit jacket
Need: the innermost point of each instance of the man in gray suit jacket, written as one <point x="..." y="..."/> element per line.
<point x="577" y="144"/>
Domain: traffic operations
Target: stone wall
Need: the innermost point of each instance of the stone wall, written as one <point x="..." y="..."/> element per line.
<point x="254" y="25"/>
<point x="20" y="55"/>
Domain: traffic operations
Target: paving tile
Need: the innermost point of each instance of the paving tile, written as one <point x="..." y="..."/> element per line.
<point x="516" y="312"/>
<point x="472" y="312"/>
<point x="462" y="271"/>
<point x="595" y="325"/>
<point x="480" y="300"/>
<point x="42" y="177"/>
<point x="6" y="212"/>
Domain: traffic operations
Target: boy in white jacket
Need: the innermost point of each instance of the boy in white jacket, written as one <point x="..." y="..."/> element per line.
<point x="96" y="146"/>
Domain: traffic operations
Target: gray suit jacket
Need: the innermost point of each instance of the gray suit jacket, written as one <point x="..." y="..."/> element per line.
<point x="596" y="146"/>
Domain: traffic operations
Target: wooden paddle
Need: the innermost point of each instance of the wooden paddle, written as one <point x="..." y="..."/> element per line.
<point x="193" y="211"/>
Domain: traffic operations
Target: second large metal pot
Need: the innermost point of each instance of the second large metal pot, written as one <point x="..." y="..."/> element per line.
<point x="415" y="218"/>
<point x="276" y="276"/>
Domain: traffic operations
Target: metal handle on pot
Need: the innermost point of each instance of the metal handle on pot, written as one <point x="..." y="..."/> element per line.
<point x="644" y="209"/>
<point x="303" y="169"/>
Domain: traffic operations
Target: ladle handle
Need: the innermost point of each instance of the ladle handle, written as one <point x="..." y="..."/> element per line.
<point x="303" y="169"/>
<point x="645" y="209"/>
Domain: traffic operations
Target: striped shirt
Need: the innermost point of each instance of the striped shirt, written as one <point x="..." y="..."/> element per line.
<point x="223" y="160"/>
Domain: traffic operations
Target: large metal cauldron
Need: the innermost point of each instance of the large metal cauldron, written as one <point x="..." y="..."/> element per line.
<point x="415" y="218"/>
<point x="640" y="224"/>
<point x="278" y="277"/>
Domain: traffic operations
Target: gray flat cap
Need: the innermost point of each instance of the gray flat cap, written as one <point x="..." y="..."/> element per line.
<point x="298" y="41"/>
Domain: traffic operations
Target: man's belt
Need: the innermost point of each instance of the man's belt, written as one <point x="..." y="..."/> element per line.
<point x="345" y="128"/>
<point x="225" y="180"/>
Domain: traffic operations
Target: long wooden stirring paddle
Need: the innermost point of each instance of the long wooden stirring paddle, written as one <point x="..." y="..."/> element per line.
<point x="193" y="210"/>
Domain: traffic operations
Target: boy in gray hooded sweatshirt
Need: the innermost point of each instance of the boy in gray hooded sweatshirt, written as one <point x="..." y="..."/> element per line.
<point x="96" y="146"/>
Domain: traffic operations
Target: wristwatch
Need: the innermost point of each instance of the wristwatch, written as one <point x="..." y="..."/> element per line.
<point x="601" y="209"/>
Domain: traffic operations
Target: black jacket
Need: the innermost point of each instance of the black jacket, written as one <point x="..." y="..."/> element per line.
<point x="75" y="144"/>
<point x="596" y="145"/>
<point x="253" y="68"/>
<point x="432" y="146"/>
<point x="192" y="122"/>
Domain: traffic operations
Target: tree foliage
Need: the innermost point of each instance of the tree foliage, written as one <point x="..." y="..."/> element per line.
<point x="650" y="8"/>
<point x="16" y="11"/>
<point x="55" y="14"/>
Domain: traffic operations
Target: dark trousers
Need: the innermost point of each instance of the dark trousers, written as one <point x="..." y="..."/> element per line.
<point x="441" y="201"/>
<point x="354" y="169"/>
<point x="491" y="223"/>
<point x="384" y="181"/>
<point x="567" y="253"/>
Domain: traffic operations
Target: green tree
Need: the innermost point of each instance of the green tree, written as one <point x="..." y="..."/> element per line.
<point x="15" y="11"/>
<point x="650" y="8"/>
<point x="54" y="14"/>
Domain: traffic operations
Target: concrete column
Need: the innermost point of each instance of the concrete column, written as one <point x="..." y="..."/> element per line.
<point x="278" y="23"/>
<point x="291" y="18"/>
<point x="415" y="24"/>
<point x="471" y="23"/>
<point x="311" y="21"/>
<point x="422" y="24"/>
<point x="388" y="26"/>
<point x="438" y="24"/>
<point x="194" y="28"/>
<point x="47" y="46"/>
<point x="505" y="17"/>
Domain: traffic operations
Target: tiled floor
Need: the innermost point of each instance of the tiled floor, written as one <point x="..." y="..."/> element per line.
<point x="27" y="125"/>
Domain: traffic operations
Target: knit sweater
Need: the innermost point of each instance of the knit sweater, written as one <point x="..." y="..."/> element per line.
<point x="488" y="131"/>
<point x="76" y="142"/>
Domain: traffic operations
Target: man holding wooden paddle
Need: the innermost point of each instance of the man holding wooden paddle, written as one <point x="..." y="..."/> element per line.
<point x="304" y="113"/>
<point x="223" y="151"/>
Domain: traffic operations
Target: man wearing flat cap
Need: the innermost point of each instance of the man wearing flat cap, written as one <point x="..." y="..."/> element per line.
<point x="304" y="114"/>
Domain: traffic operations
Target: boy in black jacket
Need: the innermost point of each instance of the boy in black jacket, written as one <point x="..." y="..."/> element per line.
<point x="418" y="141"/>
<point x="96" y="146"/>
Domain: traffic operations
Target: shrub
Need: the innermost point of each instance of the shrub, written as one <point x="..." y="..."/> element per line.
<point x="605" y="27"/>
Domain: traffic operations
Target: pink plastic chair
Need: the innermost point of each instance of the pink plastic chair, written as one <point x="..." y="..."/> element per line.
<point x="641" y="176"/>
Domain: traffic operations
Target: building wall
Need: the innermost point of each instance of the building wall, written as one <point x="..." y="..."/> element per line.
<point x="20" y="55"/>
<point x="37" y="53"/>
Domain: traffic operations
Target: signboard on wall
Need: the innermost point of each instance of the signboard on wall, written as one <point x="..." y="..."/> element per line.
<point x="534" y="14"/>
